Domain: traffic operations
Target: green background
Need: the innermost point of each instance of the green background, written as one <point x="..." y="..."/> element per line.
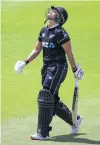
<point x="20" y="26"/>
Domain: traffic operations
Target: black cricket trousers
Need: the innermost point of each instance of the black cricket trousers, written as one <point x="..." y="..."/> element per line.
<point x="53" y="74"/>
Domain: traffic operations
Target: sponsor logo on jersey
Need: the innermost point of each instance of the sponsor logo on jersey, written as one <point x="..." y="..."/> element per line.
<point x="45" y="44"/>
<point x="48" y="45"/>
<point x="51" y="45"/>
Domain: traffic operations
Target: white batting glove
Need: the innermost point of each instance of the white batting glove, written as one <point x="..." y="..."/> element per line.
<point x="78" y="74"/>
<point x="19" y="66"/>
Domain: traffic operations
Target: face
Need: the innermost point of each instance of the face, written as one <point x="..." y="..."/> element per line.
<point x="51" y="14"/>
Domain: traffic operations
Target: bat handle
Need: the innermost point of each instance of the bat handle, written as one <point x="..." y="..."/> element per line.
<point x="76" y="83"/>
<point x="76" y="80"/>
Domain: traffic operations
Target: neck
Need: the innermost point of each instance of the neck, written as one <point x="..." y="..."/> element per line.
<point x="51" y="23"/>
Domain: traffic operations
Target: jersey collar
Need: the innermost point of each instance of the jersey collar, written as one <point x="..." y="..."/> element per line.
<point x="56" y="25"/>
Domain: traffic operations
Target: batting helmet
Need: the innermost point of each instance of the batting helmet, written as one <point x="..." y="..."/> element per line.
<point x="63" y="15"/>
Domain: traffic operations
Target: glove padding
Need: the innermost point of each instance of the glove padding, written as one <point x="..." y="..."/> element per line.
<point x="19" y="66"/>
<point x="78" y="74"/>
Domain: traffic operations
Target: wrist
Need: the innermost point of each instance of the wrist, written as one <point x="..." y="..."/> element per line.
<point x="74" y="69"/>
<point x="26" y="61"/>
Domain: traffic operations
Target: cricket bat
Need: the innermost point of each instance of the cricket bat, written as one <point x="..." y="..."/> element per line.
<point x="75" y="101"/>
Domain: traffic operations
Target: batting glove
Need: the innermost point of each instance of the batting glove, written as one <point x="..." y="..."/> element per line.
<point x="19" y="66"/>
<point x="78" y="73"/>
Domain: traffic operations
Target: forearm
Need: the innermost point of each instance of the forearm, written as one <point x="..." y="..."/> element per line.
<point x="33" y="55"/>
<point x="72" y="60"/>
<point x="78" y="73"/>
<point x="68" y="50"/>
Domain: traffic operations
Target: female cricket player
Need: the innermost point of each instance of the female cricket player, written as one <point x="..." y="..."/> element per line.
<point x="55" y="43"/>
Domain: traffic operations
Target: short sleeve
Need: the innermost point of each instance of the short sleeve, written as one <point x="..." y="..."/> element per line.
<point x="63" y="37"/>
<point x="40" y="34"/>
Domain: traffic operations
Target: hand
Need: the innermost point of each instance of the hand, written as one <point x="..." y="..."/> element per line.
<point x="19" y="66"/>
<point x="78" y="74"/>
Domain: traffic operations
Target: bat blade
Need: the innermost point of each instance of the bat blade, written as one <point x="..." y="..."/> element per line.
<point x="75" y="100"/>
<point x="75" y="106"/>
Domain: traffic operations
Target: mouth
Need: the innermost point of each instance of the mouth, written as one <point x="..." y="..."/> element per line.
<point x="49" y="16"/>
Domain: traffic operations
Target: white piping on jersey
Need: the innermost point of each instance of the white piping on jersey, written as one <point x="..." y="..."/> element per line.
<point x="54" y="76"/>
<point x="59" y="79"/>
<point x="61" y="39"/>
<point x="45" y="71"/>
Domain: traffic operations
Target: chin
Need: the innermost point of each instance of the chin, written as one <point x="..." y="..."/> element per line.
<point x="49" y="16"/>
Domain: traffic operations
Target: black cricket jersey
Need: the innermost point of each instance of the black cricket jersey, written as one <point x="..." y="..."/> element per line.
<point x="52" y="40"/>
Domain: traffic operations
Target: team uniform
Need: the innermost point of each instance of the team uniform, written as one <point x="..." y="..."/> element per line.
<point x="54" y="58"/>
<point x="54" y="72"/>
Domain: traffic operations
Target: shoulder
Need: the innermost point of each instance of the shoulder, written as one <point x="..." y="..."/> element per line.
<point x="42" y="30"/>
<point x="41" y="33"/>
<point x="61" y="31"/>
<point x="62" y="36"/>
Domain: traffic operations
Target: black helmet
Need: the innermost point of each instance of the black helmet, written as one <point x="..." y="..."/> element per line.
<point x="63" y="15"/>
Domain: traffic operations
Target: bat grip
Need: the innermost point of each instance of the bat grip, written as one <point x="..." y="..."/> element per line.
<point x="76" y="80"/>
<point x="76" y="83"/>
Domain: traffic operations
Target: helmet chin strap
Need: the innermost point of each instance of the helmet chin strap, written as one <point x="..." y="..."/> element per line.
<point x="47" y="20"/>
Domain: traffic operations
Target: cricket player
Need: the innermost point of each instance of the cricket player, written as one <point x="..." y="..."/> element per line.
<point x="55" y="43"/>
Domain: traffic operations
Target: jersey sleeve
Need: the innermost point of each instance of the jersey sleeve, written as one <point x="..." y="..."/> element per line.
<point x="40" y="34"/>
<point x="63" y="37"/>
